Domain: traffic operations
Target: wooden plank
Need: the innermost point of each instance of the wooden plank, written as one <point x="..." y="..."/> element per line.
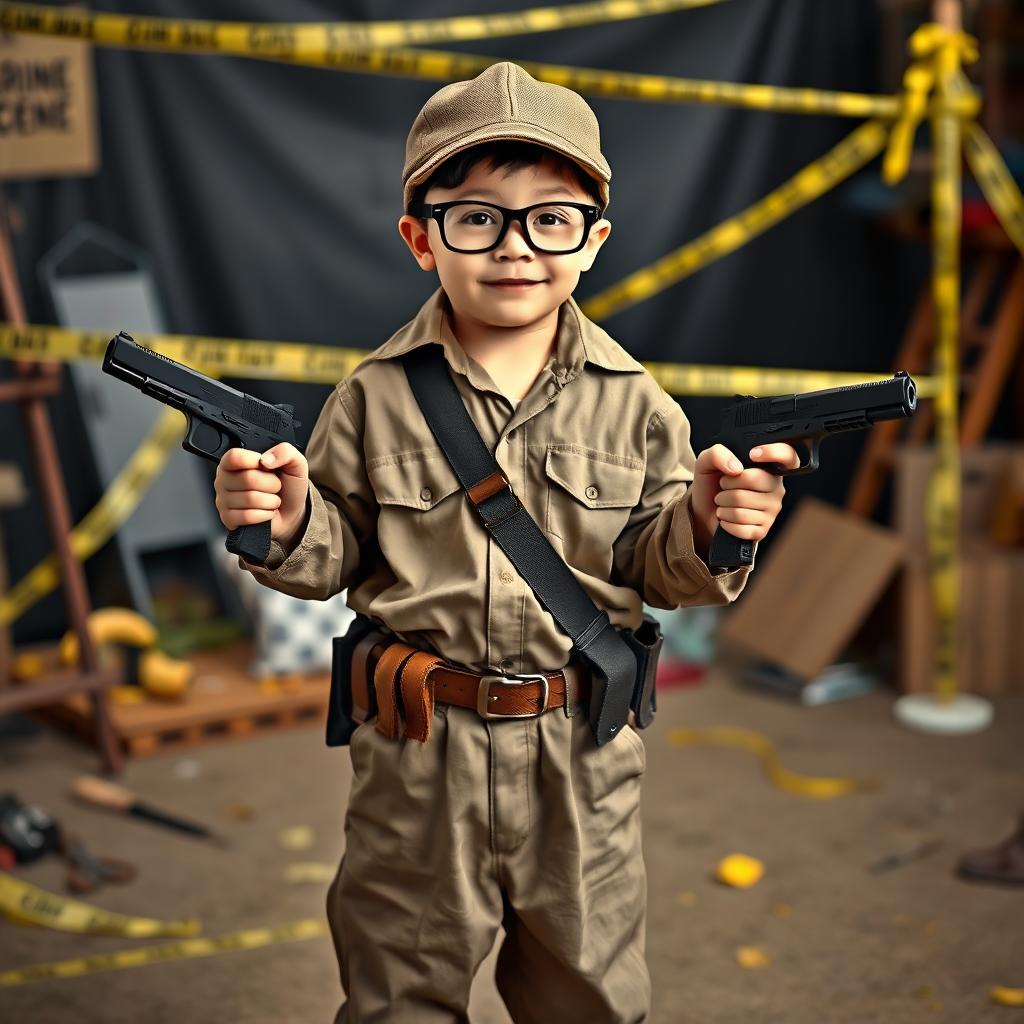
<point x="224" y="702"/>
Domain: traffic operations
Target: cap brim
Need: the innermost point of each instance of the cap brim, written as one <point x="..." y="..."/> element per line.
<point x="520" y="132"/>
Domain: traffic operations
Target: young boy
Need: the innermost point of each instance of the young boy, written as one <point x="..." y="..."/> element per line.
<point x="520" y="823"/>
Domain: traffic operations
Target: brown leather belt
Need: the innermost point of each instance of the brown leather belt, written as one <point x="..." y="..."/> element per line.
<point x="406" y="679"/>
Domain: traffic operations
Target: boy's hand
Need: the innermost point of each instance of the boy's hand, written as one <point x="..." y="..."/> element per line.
<point x="744" y="501"/>
<point x="254" y="488"/>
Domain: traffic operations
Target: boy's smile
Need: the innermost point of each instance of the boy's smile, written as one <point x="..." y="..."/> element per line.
<point x="512" y="286"/>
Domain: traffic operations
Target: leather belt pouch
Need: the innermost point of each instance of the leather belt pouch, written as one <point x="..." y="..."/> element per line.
<point x="340" y="723"/>
<point x="645" y="641"/>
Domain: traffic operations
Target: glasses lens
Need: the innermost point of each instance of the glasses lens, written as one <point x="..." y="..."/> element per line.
<point x="472" y="226"/>
<point x="475" y="227"/>
<point x="556" y="228"/>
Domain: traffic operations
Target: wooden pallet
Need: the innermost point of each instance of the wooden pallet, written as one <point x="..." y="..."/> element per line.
<point x="224" y="702"/>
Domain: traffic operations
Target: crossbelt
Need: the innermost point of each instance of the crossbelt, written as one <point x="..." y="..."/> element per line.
<point x="609" y="658"/>
<point x="410" y="680"/>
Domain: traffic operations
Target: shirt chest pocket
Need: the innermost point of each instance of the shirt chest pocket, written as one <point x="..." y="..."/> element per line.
<point x="420" y="480"/>
<point x="590" y="494"/>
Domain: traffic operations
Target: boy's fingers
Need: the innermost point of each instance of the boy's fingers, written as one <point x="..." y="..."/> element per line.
<point x="239" y="458"/>
<point x="251" y="480"/>
<point x="780" y="452"/>
<point x="251" y="499"/>
<point x="742" y="516"/>
<point x="747" y="499"/>
<point x="754" y="480"/>
<point x="284" y="458"/>
<point x="718" y="459"/>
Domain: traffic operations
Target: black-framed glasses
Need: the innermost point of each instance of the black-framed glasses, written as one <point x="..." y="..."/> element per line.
<point x="471" y="226"/>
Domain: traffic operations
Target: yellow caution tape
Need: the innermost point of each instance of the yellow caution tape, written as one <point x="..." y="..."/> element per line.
<point x="217" y="357"/>
<point x="942" y="510"/>
<point x="374" y="48"/>
<point x="189" y="949"/>
<point x="707" y="380"/>
<point x="926" y="44"/>
<point x="29" y="904"/>
<point x="756" y="743"/>
<point x="917" y="83"/>
<point x="440" y="65"/>
<point x="311" y="42"/>
<point x="998" y="186"/>
<point x="101" y="522"/>
<point x="817" y="178"/>
<point x="323" y="364"/>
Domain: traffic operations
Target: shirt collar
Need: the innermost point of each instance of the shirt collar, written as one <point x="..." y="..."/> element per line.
<point x="579" y="340"/>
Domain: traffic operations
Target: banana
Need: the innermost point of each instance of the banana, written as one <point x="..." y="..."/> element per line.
<point x="111" y="625"/>
<point x="164" y="677"/>
<point x="158" y="675"/>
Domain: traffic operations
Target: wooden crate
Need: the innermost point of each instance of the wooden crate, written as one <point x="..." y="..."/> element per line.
<point x="224" y="702"/>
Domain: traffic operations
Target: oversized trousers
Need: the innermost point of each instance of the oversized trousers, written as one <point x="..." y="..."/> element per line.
<point x="516" y="824"/>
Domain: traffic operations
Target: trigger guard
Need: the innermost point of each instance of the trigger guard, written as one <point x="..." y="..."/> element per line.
<point x="809" y="463"/>
<point x="205" y="440"/>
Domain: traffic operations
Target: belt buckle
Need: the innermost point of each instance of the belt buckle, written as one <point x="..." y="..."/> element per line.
<point x="484" y="693"/>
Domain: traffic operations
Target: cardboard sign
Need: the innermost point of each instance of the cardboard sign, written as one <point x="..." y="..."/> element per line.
<point x="47" y="108"/>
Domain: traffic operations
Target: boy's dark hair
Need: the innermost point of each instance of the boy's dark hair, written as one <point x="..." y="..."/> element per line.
<point x="511" y="154"/>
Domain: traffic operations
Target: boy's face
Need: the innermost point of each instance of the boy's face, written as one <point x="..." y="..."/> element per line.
<point x="469" y="279"/>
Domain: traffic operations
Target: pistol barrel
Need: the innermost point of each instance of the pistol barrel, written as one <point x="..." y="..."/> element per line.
<point x="895" y="398"/>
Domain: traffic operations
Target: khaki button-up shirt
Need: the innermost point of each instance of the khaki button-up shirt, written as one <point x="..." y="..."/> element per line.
<point x="597" y="452"/>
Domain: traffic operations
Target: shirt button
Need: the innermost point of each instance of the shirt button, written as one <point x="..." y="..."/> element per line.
<point x="505" y="576"/>
<point x="591" y="492"/>
<point x="426" y="494"/>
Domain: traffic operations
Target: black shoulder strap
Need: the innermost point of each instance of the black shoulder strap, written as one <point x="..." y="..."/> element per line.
<point x="612" y="662"/>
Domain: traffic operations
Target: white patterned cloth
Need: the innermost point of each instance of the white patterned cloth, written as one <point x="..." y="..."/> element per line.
<point x="289" y="634"/>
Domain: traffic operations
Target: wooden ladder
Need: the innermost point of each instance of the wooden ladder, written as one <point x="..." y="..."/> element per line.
<point x="987" y="356"/>
<point x="30" y="386"/>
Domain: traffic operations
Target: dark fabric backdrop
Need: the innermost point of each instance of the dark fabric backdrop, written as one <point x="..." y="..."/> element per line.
<point x="268" y="197"/>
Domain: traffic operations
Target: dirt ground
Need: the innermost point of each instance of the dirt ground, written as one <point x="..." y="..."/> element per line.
<point x="843" y="943"/>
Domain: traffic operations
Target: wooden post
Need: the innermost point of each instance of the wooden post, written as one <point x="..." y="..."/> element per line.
<point x="46" y="465"/>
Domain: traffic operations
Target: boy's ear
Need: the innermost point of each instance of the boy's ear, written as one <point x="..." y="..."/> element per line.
<point x="414" y="234"/>
<point x="598" y="236"/>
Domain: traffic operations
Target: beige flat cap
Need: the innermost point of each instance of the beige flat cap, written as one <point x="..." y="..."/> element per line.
<point x="503" y="102"/>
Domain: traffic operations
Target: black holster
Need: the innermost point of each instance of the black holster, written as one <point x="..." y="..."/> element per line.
<point x="645" y="642"/>
<point x="340" y="723"/>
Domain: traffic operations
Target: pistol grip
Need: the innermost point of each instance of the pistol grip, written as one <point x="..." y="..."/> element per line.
<point x="250" y="542"/>
<point x="729" y="552"/>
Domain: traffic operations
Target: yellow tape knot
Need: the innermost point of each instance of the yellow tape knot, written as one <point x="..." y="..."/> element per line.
<point x="938" y="53"/>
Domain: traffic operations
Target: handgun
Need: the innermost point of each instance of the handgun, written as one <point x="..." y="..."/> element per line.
<point x="801" y="420"/>
<point x="218" y="417"/>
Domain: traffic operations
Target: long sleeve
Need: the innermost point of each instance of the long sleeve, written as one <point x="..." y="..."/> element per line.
<point x="654" y="553"/>
<point x="341" y="510"/>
